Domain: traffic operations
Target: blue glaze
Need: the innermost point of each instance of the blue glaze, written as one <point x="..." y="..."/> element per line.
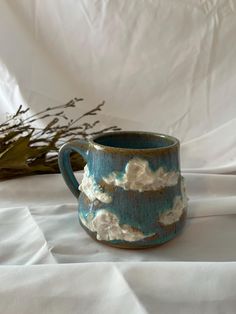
<point x="80" y="147"/>
<point x="146" y="206"/>
<point x="133" y="140"/>
<point x="140" y="210"/>
<point x="105" y="165"/>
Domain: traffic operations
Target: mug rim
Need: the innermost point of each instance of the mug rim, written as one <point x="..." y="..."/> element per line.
<point x="174" y="140"/>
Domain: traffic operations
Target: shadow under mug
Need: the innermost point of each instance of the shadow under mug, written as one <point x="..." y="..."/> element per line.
<point x="132" y="194"/>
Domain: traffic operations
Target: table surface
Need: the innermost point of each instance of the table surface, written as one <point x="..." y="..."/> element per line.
<point x="40" y="229"/>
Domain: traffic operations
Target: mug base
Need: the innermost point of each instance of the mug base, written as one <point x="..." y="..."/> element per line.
<point x="172" y="231"/>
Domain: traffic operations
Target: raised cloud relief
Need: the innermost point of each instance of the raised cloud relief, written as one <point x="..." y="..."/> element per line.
<point x="92" y="190"/>
<point x="173" y="214"/>
<point x="107" y="227"/>
<point x="139" y="177"/>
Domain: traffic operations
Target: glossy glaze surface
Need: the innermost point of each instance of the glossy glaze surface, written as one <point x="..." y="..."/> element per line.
<point x="132" y="193"/>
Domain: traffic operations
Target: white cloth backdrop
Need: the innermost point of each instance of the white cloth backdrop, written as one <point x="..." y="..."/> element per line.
<point x="166" y="66"/>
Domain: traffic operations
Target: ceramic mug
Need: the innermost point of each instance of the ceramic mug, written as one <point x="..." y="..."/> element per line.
<point x="132" y="194"/>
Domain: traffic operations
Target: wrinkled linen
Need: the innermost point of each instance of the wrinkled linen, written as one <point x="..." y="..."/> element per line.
<point x="135" y="288"/>
<point x="162" y="66"/>
<point x="75" y="274"/>
<point x="39" y="226"/>
<point x="45" y="229"/>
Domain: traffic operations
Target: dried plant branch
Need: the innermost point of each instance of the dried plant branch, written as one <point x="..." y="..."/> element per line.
<point x="26" y="149"/>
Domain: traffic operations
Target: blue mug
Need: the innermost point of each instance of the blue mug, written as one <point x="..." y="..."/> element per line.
<point x="132" y="194"/>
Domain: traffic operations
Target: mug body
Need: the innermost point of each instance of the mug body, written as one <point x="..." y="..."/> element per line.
<point x="132" y="192"/>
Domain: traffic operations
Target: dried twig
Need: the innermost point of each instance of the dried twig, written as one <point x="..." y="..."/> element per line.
<point x="26" y="149"/>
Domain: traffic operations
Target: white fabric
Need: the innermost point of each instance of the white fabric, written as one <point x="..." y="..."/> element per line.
<point x="166" y="66"/>
<point x="139" y="288"/>
<point x="45" y="227"/>
<point x="39" y="225"/>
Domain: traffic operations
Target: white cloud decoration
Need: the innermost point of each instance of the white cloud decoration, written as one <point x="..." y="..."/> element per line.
<point x="139" y="177"/>
<point x="92" y="190"/>
<point x="107" y="227"/>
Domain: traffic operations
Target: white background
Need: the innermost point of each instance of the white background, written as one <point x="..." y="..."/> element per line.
<point x="164" y="66"/>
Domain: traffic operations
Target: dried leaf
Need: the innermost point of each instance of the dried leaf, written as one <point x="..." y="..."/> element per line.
<point x="16" y="155"/>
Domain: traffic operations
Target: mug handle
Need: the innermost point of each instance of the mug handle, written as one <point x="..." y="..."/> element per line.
<point x="79" y="146"/>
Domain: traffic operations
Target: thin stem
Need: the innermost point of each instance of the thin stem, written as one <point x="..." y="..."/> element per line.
<point x="91" y="112"/>
<point x="71" y="103"/>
